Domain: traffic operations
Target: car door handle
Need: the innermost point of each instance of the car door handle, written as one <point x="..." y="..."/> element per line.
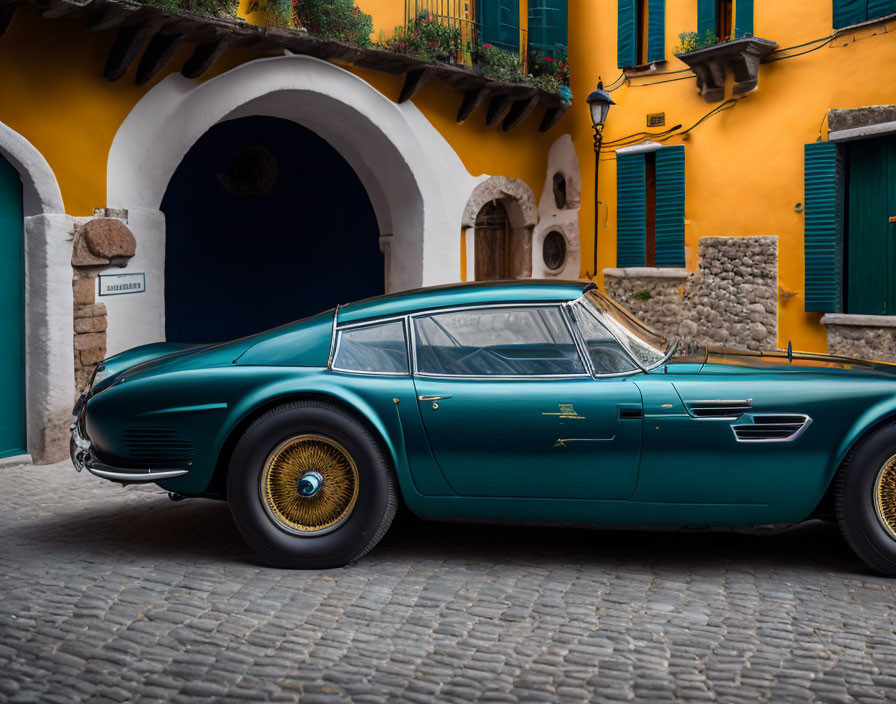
<point x="435" y="400"/>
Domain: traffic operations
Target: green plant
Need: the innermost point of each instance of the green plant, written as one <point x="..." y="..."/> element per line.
<point x="644" y="295"/>
<point x="554" y="65"/>
<point x="335" y="19"/>
<point x="499" y="64"/>
<point x="212" y="8"/>
<point x="691" y="41"/>
<point x="426" y="38"/>
<point x="278" y="13"/>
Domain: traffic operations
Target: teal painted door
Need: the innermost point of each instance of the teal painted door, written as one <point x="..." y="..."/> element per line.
<point x="870" y="236"/>
<point x="558" y="438"/>
<point x="499" y="21"/>
<point x="12" y="314"/>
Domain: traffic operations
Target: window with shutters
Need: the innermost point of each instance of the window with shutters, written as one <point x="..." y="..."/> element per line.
<point x="850" y="12"/>
<point x="548" y="27"/>
<point x="499" y="22"/>
<point x="726" y="19"/>
<point x="850" y="249"/>
<point x="641" y="32"/>
<point x="650" y="198"/>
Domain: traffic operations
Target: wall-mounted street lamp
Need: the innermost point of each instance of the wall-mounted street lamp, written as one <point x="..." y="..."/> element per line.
<point x="599" y="102"/>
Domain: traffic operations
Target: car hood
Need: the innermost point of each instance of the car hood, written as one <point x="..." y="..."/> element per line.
<point x="721" y="360"/>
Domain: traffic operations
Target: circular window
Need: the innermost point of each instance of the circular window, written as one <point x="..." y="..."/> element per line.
<point x="553" y="250"/>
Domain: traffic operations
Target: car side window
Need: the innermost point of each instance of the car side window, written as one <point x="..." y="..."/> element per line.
<point x="517" y="341"/>
<point x="607" y="355"/>
<point x="379" y="348"/>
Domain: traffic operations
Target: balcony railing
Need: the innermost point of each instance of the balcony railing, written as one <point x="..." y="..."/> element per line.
<point x="462" y="30"/>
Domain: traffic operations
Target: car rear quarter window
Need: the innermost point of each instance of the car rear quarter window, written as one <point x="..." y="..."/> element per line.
<point x="375" y="349"/>
<point x="607" y="355"/>
<point x="526" y="341"/>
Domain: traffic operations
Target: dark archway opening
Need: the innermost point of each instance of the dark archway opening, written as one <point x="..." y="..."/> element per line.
<point x="265" y="223"/>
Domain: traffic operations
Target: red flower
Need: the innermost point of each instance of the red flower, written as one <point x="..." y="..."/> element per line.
<point x="548" y="58"/>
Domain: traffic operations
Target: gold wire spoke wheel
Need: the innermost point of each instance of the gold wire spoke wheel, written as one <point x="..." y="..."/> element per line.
<point x="885" y="496"/>
<point x="283" y="472"/>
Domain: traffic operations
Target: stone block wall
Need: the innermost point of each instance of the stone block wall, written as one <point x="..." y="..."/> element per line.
<point x="730" y="301"/>
<point x="862" y="336"/>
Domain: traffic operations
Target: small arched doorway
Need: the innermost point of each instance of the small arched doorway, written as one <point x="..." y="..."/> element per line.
<point x="265" y="223"/>
<point x="12" y="313"/>
<point x="492" y="242"/>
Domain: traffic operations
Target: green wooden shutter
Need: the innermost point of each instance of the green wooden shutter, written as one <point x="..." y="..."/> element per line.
<point x="548" y="20"/>
<point x="656" y="30"/>
<point x="881" y="8"/>
<point x="627" y="45"/>
<point x="670" y="206"/>
<point x="631" y="204"/>
<point x="743" y="19"/>
<point x="847" y="12"/>
<point x="706" y="17"/>
<point x="823" y="227"/>
<point x="500" y="23"/>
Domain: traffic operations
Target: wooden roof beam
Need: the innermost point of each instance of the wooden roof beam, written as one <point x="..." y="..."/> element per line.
<point x="498" y="109"/>
<point x="127" y="45"/>
<point x="158" y="54"/>
<point x="519" y="111"/>
<point x="552" y="116"/>
<point x="7" y="12"/>
<point x="472" y="99"/>
<point x="203" y="57"/>
<point x="413" y="82"/>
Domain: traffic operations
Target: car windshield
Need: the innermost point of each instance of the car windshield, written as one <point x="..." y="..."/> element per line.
<point x="647" y="346"/>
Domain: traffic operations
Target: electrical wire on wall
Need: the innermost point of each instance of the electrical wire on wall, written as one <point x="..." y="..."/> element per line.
<point x="637" y="137"/>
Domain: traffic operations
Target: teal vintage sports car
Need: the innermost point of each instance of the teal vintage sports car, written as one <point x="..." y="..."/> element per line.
<point x="523" y="401"/>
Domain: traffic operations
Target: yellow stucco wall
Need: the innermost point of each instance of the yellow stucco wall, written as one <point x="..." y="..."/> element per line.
<point x="744" y="167"/>
<point x="56" y="97"/>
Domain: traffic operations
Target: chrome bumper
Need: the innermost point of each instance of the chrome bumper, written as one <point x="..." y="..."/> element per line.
<point x="81" y="450"/>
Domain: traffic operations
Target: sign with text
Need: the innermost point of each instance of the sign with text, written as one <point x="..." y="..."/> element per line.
<point x="117" y="284"/>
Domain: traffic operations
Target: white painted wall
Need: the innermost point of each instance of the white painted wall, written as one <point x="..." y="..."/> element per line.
<point x="49" y="359"/>
<point x="416" y="182"/>
<point x="561" y="159"/>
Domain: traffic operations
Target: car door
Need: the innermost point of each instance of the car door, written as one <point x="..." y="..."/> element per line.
<point x="511" y="409"/>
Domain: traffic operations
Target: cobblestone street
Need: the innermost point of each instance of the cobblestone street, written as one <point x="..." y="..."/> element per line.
<point x="109" y="594"/>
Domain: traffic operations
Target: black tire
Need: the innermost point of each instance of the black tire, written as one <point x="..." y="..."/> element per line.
<point x="354" y="535"/>
<point x="855" y="501"/>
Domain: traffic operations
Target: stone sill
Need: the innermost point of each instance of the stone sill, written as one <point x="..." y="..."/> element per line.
<point x="647" y="272"/>
<point x="863" y="132"/>
<point x="855" y="320"/>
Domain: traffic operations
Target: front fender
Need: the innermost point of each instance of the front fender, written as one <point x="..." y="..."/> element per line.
<point x="871" y="417"/>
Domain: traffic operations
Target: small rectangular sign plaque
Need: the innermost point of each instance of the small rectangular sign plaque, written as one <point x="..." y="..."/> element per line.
<point x="117" y="284"/>
<point x="656" y="119"/>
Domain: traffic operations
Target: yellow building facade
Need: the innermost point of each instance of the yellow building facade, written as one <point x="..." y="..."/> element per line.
<point x="175" y="176"/>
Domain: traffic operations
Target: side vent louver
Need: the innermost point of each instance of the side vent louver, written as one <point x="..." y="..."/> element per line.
<point x="720" y="408"/>
<point x="765" y="428"/>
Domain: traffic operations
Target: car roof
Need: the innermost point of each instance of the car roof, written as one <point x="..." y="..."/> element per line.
<point x="464" y="294"/>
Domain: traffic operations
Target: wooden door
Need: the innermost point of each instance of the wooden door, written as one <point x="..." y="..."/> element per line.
<point x="870" y="235"/>
<point x="492" y="241"/>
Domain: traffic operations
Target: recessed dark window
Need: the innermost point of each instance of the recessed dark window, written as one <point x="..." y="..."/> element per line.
<point x="560" y="190"/>
<point x="252" y="171"/>
<point x="553" y="250"/>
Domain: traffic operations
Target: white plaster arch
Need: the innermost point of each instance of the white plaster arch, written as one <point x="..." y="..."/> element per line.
<point x="416" y="183"/>
<point x="49" y="362"/>
<point x="519" y="202"/>
<point x="40" y="190"/>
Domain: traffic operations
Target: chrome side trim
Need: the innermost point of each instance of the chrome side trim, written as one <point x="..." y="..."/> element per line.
<point x="133" y="477"/>
<point x="729" y="409"/>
